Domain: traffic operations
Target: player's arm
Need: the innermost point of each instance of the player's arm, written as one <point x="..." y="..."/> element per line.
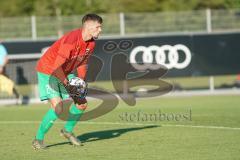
<point x="59" y="73"/>
<point x="63" y="55"/>
<point x="82" y="71"/>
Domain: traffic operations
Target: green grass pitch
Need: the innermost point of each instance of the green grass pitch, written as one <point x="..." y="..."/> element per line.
<point x="194" y="128"/>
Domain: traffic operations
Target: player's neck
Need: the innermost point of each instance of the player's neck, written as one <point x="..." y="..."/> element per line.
<point x="85" y="35"/>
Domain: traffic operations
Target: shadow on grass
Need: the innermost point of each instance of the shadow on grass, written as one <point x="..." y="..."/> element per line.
<point x="106" y="134"/>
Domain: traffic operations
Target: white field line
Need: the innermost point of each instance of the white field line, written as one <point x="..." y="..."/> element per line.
<point x="216" y="92"/>
<point x="129" y="124"/>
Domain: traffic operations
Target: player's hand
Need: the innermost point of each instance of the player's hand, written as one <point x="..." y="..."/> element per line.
<point x="77" y="92"/>
<point x="72" y="90"/>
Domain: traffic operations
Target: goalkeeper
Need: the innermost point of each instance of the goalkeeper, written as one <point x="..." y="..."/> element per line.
<point x="71" y="52"/>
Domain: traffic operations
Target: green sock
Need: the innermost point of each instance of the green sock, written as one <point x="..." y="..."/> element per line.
<point x="46" y="124"/>
<point x="73" y="118"/>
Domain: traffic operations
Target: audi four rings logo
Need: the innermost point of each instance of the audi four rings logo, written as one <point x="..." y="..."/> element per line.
<point x="165" y="55"/>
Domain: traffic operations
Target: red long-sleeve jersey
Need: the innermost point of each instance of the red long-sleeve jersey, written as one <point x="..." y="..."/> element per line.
<point x="68" y="53"/>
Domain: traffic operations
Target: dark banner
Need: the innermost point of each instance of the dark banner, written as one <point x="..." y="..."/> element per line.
<point x="182" y="55"/>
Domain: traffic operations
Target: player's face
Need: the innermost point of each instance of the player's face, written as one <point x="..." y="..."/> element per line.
<point x="95" y="29"/>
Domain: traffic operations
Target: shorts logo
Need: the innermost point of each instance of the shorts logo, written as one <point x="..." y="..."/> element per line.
<point x="165" y="55"/>
<point x="49" y="89"/>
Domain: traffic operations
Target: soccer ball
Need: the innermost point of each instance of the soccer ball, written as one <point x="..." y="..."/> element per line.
<point x="78" y="82"/>
<point x="81" y="86"/>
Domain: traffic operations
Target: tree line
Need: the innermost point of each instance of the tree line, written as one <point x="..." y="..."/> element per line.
<point x="10" y="8"/>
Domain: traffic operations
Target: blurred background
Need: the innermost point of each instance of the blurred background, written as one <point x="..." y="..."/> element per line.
<point x="208" y="32"/>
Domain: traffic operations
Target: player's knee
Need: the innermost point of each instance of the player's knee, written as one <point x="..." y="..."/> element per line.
<point x="57" y="105"/>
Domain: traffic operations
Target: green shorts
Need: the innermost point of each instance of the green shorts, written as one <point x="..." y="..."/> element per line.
<point x="51" y="87"/>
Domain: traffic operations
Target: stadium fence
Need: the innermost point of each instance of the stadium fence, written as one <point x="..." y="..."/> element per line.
<point x="122" y="24"/>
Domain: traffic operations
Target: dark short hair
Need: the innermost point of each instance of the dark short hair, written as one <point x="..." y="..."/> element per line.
<point x="93" y="17"/>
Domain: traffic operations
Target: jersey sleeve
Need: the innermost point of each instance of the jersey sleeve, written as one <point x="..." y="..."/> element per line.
<point x="65" y="50"/>
<point x="63" y="55"/>
<point x="58" y="71"/>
